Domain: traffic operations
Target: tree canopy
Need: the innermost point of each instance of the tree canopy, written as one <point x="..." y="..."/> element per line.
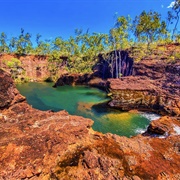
<point x="82" y="49"/>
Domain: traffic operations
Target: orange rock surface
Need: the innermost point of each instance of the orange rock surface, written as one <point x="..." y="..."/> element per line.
<point x="47" y="145"/>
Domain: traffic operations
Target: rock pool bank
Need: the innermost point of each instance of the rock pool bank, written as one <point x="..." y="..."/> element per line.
<point x="47" y="145"/>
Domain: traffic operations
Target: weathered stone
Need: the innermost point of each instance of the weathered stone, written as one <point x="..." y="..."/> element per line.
<point x="9" y="95"/>
<point x="163" y="126"/>
<point x="32" y="67"/>
<point x="42" y="145"/>
<point x="146" y="91"/>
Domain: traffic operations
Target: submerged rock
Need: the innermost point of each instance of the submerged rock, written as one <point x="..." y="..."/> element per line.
<point x="45" y="145"/>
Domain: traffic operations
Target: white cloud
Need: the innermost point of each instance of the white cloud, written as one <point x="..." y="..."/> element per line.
<point x="171" y="5"/>
<point x="162" y="6"/>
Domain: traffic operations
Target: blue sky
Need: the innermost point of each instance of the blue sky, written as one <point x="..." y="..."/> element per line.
<point x="52" y="18"/>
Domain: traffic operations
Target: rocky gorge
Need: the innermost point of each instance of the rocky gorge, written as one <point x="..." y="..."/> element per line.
<point x="38" y="144"/>
<point x="153" y="86"/>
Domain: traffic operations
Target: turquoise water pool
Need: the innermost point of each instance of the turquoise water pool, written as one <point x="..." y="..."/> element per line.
<point x="84" y="101"/>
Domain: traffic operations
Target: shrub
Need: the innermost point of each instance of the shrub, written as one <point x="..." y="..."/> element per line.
<point x="13" y="63"/>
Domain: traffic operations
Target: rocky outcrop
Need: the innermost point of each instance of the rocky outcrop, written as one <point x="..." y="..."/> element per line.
<point x="165" y="75"/>
<point x="45" y="145"/>
<point x="103" y="69"/>
<point x="73" y="79"/>
<point x="112" y="64"/>
<point x="153" y="87"/>
<point x="34" y="68"/>
<point x="84" y="79"/>
<point x="164" y="126"/>
<point x="9" y="95"/>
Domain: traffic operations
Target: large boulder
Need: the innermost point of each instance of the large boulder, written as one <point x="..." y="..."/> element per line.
<point x="164" y="126"/>
<point x="9" y="95"/>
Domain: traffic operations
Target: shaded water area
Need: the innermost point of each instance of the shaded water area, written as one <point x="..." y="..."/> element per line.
<point x="87" y="102"/>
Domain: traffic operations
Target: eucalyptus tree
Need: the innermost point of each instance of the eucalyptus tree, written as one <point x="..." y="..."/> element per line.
<point x="84" y="49"/>
<point x="114" y="39"/>
<point x="12" y="44"/>
<point x="3" y="43"/>
<point x="96" y="43"/>
<point x="119" y="36"/>
<point x="23" y="43"/>
<point x="38" y="49"/>
<point x="73" y="46"/>
<point x="173" y="16"/>
<point x="38" y="41"/>
<point x="55" y="57"/>
<point x="149" y="27"/>
<point x="46" y="47"/>
<point x="80" y="59"/>
<point x="123" y="26"/>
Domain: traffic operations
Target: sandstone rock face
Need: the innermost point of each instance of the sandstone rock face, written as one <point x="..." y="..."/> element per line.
<point x="73" y="79"/>
<point x="78" y="79"/>
<point x="154" y="87"/>
<point x="35" y="67"/>
<point x="43" y="145"/>
<point x="163" y="126"/>
<point x="8" y="93"/>
<point x="106" y="66"/>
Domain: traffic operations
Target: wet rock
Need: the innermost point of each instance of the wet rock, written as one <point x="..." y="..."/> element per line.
<point x="163" y="126"/>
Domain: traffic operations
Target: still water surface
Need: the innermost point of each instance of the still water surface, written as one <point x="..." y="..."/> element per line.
<point x="87" y="102"/>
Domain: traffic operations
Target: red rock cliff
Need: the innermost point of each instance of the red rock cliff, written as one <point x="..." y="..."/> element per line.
<point x="155" y="86"/>
<point x="34" y="67"/>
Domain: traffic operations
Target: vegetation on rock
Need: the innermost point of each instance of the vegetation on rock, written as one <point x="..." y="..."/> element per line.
<point x="79" y="53"/>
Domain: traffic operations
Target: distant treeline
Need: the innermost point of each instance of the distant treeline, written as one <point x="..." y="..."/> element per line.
<point x="83" y="48"/>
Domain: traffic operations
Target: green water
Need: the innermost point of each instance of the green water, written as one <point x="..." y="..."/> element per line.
<point x="84" y="101"/>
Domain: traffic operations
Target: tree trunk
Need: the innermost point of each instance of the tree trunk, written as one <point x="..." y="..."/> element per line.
<point x="120" y="60"/>
<point x="175" y="27"/>
<point x="116" y="59"/>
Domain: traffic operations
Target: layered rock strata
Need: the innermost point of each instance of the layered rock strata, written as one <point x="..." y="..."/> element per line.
<point x="34" y="68"/>
<point x="154" y="87"/>
<point x="47" y="145"/>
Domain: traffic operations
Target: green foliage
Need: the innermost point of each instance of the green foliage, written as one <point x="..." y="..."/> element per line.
<point x="149" y="27"/>
<point x="3" y="43"/>
<point x="13" y="63"/>
<point x="80" y="65"/>
<point x="17" y="72"/>
<point x="173" y="17"/>
<point x="177" y="55"/>
<point x="80" y="52"/>
<point x="139" y="51"/>
<point x="119" y="35"/>
<point x="177" y="38"/>
<point x="55" y="61"/>
<point x="22" y="44"/>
